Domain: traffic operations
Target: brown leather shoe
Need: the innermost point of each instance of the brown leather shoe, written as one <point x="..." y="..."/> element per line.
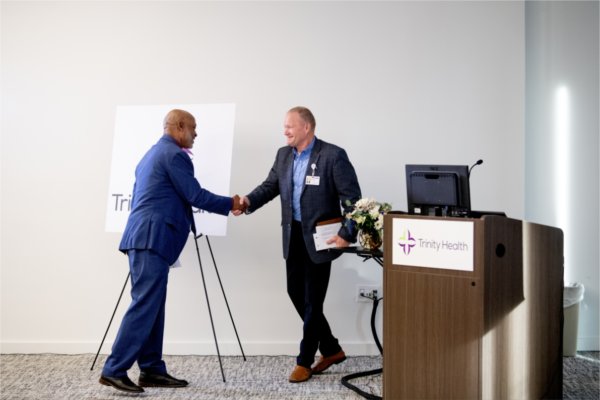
<point x="300" y="374"/>
<point x="326" y="362"/>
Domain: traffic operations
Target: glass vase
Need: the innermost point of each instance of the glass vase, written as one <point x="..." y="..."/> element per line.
<point x="370" y="239"/>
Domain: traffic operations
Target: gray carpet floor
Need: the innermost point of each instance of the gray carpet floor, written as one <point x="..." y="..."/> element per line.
<point x="52" y="376"/>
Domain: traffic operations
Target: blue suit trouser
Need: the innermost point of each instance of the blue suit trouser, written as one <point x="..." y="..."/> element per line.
<point x="140" y="337"/>
<point x="307" y="286"/>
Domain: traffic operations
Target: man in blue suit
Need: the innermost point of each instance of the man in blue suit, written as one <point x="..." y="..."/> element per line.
<point x="157" y="229"/>
<point x="314" y="180"/>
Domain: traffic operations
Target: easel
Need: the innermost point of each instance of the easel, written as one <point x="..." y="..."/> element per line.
<point x="207" y="303"/>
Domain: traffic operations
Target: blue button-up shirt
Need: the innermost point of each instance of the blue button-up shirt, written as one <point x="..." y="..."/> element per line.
<point x="300" y="164"/>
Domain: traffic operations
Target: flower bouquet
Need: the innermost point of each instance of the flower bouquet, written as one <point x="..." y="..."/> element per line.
<point x="368" y="215"/>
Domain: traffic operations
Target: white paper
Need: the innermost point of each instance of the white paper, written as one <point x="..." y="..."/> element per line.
<point x="324" y="233"/>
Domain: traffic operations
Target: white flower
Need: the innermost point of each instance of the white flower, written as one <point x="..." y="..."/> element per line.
<point x="362" y="205"/>
<point x="374" y="212"/>
<point x="368" y="214"/>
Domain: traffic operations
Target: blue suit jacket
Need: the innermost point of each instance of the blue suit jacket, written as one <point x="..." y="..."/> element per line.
<point x="338" y="183"/>
<point x="163" y="193"/>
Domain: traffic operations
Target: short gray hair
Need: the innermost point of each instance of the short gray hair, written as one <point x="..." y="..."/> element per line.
<point x="306" y="115"/>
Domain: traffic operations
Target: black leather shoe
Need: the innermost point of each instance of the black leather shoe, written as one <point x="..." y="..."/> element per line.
<point x="149" y="379"/>
<point x="124" y="384"/>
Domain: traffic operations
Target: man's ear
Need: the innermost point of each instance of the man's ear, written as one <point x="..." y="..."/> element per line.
<point x="307" y="127"/>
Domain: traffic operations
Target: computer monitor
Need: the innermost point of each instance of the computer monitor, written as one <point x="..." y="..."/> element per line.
<point x="440" y="190"/>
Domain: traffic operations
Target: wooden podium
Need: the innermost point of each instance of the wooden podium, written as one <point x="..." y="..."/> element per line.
<point x="493" y="332"/>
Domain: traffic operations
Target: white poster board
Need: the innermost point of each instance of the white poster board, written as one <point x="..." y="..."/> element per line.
<point x="137" y="128"/>
<point x="433" y="243"/>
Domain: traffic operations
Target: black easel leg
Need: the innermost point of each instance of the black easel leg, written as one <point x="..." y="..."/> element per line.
<point x="225" y="297"/>
<point x="208" y="304"/>
<point x="111" y="320"/>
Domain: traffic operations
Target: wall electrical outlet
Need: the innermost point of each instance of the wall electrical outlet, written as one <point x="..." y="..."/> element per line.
<point x="366" y="293"/>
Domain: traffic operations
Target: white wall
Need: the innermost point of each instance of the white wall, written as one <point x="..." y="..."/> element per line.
<point x="562" y="141"/>
<point x="393" y="83"/>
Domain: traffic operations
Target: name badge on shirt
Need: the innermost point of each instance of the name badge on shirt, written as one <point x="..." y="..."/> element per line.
<point x="313" y="180"/>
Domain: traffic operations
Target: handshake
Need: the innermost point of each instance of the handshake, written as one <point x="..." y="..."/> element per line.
<point x="240" y="204"/>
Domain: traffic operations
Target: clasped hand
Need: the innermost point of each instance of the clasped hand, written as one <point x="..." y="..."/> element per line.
<point x="239" y="205"/>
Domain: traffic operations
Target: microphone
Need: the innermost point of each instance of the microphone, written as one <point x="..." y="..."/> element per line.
<point x="479" y="162"/>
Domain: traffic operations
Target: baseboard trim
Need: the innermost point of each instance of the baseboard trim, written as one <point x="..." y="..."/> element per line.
<point x="591" y="343"/>
<point x="182" y="348"/>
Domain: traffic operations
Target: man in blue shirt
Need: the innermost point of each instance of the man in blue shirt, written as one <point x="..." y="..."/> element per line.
<point x="314" y="180"/>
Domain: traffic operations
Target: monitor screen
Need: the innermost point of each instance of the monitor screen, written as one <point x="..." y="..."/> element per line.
<point x="440" y="190"/>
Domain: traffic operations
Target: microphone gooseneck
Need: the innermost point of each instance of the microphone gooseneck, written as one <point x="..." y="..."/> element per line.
<point x="479" y="162"/>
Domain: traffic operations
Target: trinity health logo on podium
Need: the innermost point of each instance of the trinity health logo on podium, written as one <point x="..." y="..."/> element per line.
<point x="406" y="241"/>
<point x="433" y="243"/>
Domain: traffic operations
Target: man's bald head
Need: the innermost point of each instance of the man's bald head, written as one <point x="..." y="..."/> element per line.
<point x="181" y="126"/>
<point x="174" y="117"/>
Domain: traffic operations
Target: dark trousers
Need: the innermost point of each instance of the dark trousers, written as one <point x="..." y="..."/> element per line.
<point x="307" y="286"/>
<point x="140" y="336"/>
